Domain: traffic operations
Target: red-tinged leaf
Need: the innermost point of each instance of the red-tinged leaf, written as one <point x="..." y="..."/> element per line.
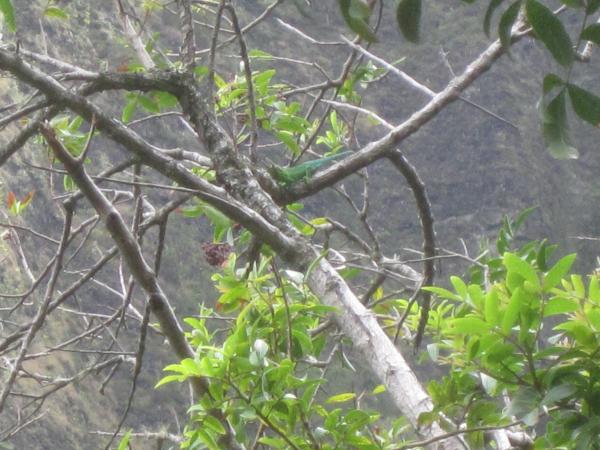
<point x="27" y="199"/>
<point x="11" y="198"/>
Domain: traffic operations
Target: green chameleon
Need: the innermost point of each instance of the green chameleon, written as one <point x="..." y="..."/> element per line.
<point x="290" y="175"/>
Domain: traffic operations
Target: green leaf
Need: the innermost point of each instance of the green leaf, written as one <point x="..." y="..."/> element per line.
<point x="488" y="15"/>
<point x="459" y="286"/>
<point x="512" y="311"/>
<point x="593" y="6"/>
<point x="523" y="402"/>
<point x="578" y="286"/>
<point x="8" y="12"/>
<point x="259" y="54"/>
<point x="582" y="333"/>
<point x="573" y="3"/>
<point x="129" y="110"/>
<point x="594" y="289"/>
<point x="208" y="439"/>
<point x="470" y="325"/>
<point x="443" y="293"/>
<point x="550" y="30"/>
<point x="273" y="442"/>
<point x="408" y="16"/>
<point x="164" y="99"/>
<point x="355" y="16"/>
<point x="341" y="398"/>
<point x="558" y="271"/>
<point x="585" y="104"/>
<point x="560" y="305"/>
<point x="552" y="81"/>
<point x="55" y="12"/>
<point x="289" y="140"/>
<point x="379" y="389"/>
<point x="592" y="33"/>
<point x="219" y="220"/>
<point x="124" y="443"/>
<point x="594" y="318"/>
<point x="518" y="265"/>
<point x="506" y="23"/>
<point x="213" y="424"/>
<point x="558" y="393"/>
<point x="149" y="104"/>
<point x="201" y="71"/>
<point x="169" y="379"/>
<point x="68" y="183"/>
<point x="491" y="308"/>
<point x="556" y="130"/>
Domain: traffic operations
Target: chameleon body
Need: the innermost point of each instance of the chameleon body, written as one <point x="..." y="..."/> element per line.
<point x="290" y="175"/>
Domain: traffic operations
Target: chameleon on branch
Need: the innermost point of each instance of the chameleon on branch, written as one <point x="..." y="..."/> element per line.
<point x="290" y="175"/>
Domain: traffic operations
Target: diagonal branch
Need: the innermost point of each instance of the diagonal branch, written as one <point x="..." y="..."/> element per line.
<point x="137" y="265"/>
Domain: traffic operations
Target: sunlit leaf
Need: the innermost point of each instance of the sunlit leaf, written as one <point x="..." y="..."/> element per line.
<point x="379" y="389"/>
<point x="511" y="314"/>
<point x="129" y="110"/>
<point x="518" y="265"/>
<point x="341" y="398"/>
<point x="8" y="12"/>
<point x="560" y="305"/>
<point x="124" y="443"/>
<point x="470" y="325"/>
<point x="56" y="13"/>
<point x="558" y="271"/>
<point x="492" y="307"/>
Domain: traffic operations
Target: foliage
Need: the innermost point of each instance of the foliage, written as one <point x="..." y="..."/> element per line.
<point x="520" y="331"/>
<point x="527" y="336"/>
<point x="266" y="373"/>
<point x="16" y="206"/>
<point x="547" y="27"/>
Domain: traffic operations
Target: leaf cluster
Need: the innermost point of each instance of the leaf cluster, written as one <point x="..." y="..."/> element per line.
<point x="265" y="373"/>
<point x="532" y="337"/>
